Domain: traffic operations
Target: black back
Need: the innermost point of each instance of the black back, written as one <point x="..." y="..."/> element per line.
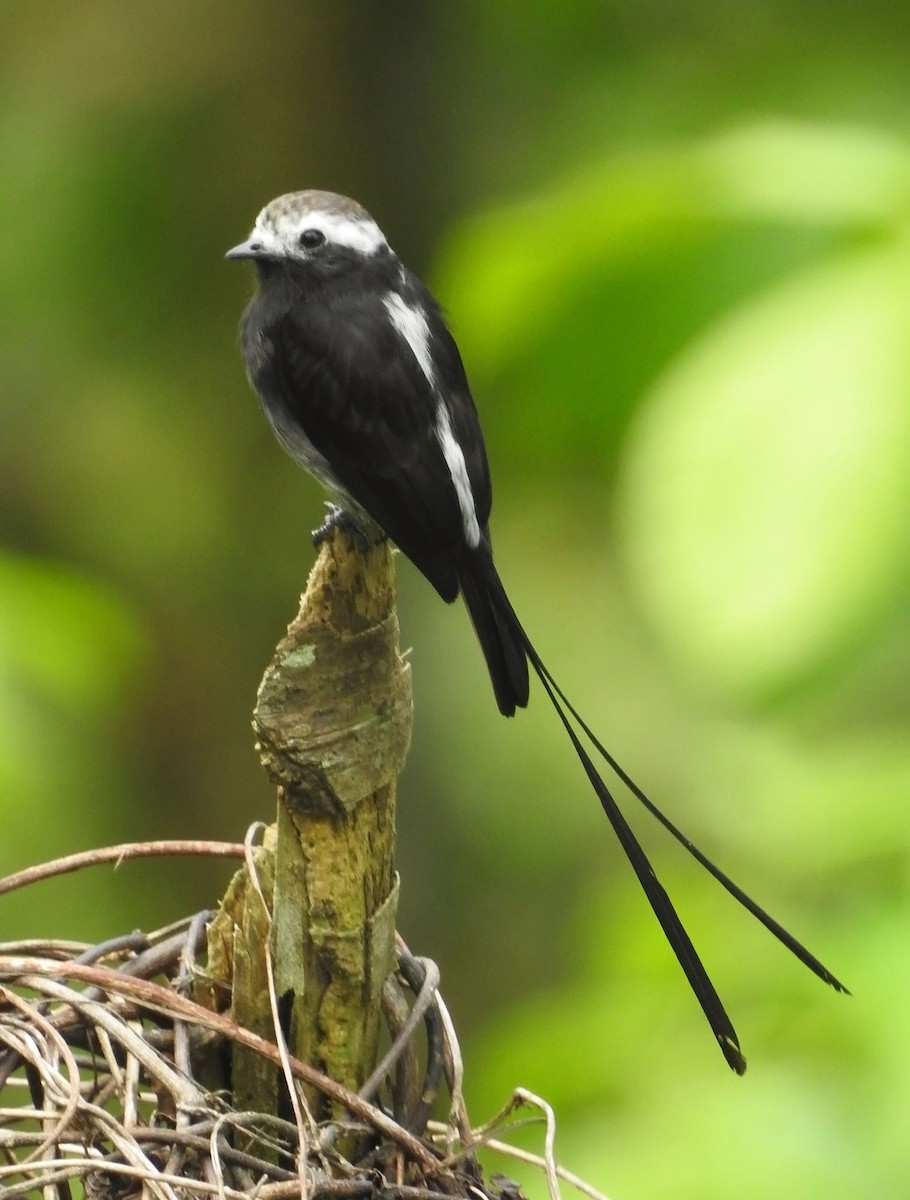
<point x="325" y="357"/>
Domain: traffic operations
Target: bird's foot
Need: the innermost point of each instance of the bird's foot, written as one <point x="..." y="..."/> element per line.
<point x="337" y="517"/>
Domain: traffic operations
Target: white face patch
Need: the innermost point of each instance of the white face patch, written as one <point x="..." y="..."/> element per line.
<point x="411" y="323"/>
<point x="280" y="233"/>
<point x="458" y="470"/>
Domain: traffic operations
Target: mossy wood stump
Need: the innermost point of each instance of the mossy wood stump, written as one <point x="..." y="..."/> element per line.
<point x="333" y="725"/>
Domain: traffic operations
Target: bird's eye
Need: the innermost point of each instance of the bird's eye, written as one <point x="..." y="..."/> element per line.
<point x="311" y="238"/>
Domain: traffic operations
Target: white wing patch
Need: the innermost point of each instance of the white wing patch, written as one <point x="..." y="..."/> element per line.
<point x="412" y="325"/>
<point x="458" y="470"/>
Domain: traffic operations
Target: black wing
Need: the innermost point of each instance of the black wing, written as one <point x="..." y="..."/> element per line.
<point x="354" y="386"/>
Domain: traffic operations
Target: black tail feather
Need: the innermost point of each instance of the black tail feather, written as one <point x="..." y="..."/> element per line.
<point x="805" y="956"/>
<point x="497" y="602"/>
<point x="501" y="637"/>
<point x="666" y="914"/>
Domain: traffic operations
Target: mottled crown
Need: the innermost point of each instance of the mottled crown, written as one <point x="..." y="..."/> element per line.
<point x="294" y="206"/>
<point x="342" y="221"/>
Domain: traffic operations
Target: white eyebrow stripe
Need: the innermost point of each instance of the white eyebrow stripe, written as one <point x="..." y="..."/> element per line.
<point x="365" y="236"/>
<point x="452" y="453"/>
<point x="362" y="235"/>
<point x="412" y="325"/>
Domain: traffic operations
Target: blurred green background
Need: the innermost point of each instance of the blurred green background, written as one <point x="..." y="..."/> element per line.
<point x="673" y="238"/>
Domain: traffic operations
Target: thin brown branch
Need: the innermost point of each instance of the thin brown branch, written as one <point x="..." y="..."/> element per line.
<point x="177" y="848"/>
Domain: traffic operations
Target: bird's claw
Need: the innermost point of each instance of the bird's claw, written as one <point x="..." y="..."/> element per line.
<point x="337" y="517"/>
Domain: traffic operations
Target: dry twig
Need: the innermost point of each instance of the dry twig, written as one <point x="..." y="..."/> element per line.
<point x="104" y="1059"/>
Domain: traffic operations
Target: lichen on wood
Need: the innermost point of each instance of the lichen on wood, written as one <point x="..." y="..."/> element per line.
<point x="333" y="722"/>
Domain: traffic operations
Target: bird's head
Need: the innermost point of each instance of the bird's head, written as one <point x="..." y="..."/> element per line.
<point x="306" y="227"/>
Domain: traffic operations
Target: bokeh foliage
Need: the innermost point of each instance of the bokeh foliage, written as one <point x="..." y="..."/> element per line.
<point x="672" y="239"/>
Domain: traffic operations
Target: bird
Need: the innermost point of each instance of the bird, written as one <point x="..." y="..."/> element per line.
<point x="361" y="380"/>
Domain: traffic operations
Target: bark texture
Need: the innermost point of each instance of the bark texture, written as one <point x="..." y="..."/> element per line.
<point x="333" y="725"/>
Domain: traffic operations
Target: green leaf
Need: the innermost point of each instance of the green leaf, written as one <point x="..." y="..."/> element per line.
<point x="766" y="491"/>
<point x="504" y="272"/>
<point x="63" y="636"/>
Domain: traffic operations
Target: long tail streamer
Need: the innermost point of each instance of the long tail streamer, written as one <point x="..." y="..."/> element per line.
<point x="660" y="902"/>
